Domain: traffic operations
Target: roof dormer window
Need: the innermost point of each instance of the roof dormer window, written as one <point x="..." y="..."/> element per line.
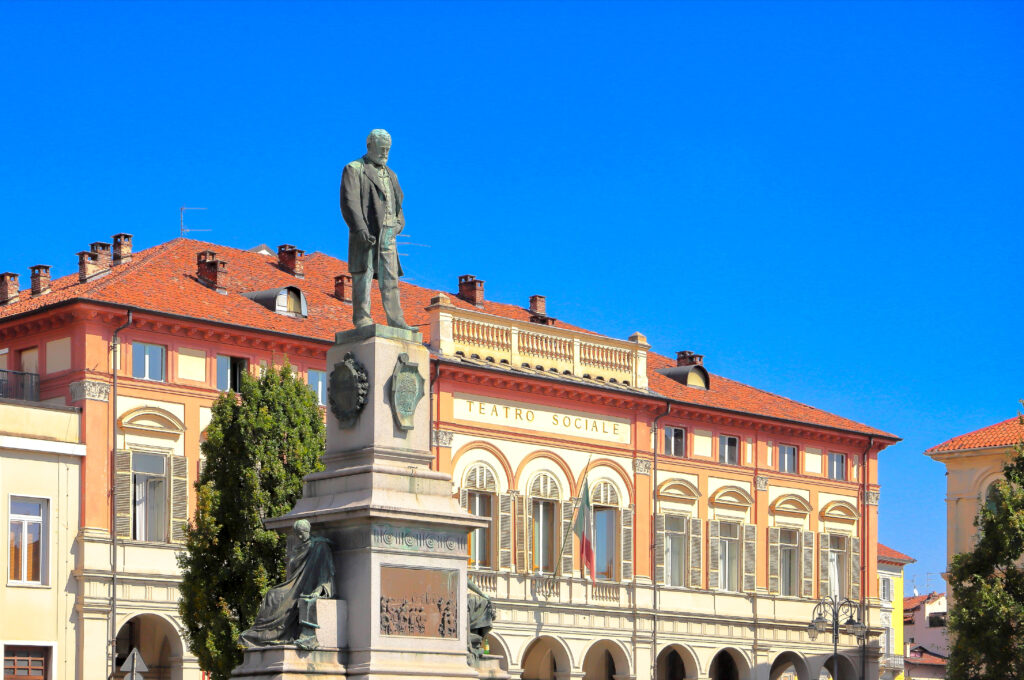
<point x="289" y="301"/>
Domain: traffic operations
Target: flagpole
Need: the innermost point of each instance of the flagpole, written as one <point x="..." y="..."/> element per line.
<point x="572" y="521"/>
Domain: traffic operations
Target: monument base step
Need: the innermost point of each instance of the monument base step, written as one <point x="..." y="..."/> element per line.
<point x="288" y="662"/>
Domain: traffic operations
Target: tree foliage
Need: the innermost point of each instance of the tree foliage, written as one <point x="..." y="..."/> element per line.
<point x="260" y="443"/>
<point x="986" y="622"/>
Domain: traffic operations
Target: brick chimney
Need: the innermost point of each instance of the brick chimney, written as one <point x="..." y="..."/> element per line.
<point x="687" y="358"/>
<point x="122" y="248"/>
<point x="212" y="271"/>
<point x="343" y="287"/>
<point x="538" y="305"/>
<point x="471" y="289"/>
<point x="102" y="251"/>
<point x="40" y="279"/>
<point x="8" y="288"/>
<point x="88" y="265"/>
<point x="290" y="258"/>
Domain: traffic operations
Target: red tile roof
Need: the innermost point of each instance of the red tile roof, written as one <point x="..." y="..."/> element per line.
<point x="1006" y="433"/>
<point x="887" y="554"/>
<point x="915" y="601"/>
<point x="921" y="656"/>
<point x="163" y="279"/>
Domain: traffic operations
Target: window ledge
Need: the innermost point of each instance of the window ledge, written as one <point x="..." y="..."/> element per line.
<point x="28" y="584"/>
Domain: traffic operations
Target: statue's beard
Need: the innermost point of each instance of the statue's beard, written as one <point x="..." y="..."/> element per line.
<point x="377" y="160"/>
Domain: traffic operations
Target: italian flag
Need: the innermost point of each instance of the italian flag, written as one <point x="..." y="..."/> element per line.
<point x="584" y="529"/>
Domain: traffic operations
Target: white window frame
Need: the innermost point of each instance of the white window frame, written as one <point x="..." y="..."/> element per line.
<point x="538" y="554"/>
<point x="44" y="535"/>
<point x="473" y="503"/>
<point x="886" y="589"/>
<point x="675" y="447"/>
<point x="723" y="447"/>
<point x="230" y="360"/>
<point x="672" y="556"/>
<point x="145" y="374"/>
<point x="842" y="562"/>
<point x="837" y="472"/>
<point x="52" y="646"/>
<point x="165" y="480"/>
<point x="730" y="556"/>
<point x="793" y="584"/>
<point x="795" y="468"/>
<point x="321" y="387"/>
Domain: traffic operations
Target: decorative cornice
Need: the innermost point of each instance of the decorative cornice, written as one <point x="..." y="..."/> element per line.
<point x="93" y="390"/>
<point x="642" y="466"/>
<point x="441" y="437"/>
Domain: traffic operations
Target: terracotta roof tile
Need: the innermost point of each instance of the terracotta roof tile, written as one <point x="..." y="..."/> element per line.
<point x="163" y="279"/>
<point x="921" y="656"/>
<point x="887" y="554"/>
<point x="1006" y="433"/>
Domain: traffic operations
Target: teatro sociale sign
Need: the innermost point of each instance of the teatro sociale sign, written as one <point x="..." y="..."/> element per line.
<point x="551" y="421"/>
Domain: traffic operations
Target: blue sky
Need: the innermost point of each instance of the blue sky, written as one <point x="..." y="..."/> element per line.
<point x="825" y="199"/>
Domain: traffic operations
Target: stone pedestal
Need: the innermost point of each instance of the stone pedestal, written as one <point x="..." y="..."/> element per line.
<point x="399" y="537"/>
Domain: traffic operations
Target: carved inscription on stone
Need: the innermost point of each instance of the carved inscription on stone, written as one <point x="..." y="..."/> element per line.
<point x="418" y="540"/>
<point x="419" y="602"/>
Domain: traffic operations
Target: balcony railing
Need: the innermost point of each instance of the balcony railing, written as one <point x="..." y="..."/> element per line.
<point x="892" y="662"/>
<point x="19" y="385"/>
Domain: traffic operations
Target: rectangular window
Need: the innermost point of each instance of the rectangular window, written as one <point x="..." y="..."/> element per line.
<point x="229" y="372"/>
<point x="148" y="361"/>
<point x="675" y="549"/>
<point x="149" y="497"/>
<point x="729" y="556"/>
<point x="789" y="562"/>
<point x="937" y="620"/>
<point x="26" y="663"/>
<point x="481" y="504"/>
<point x="544" y="513"/>
<point x="605" y="530"/>
<point x="787" y="458"/>
<point x="887" y="590"/>
<point x="729" y="450"/>
<point x="26" y="543"/>
<point x="318" y="382"/>
<point x="28" y="360"/>
<point x="675" y="441"/>
<point x="837" y="548"/>
<point x="837" y="466"/>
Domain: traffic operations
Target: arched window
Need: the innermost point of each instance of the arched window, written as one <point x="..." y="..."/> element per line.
<point x="992" y="497"/>
<point x="479" y="498"/>
<point x="544" y="523"/>
<point x="606" y="529"/>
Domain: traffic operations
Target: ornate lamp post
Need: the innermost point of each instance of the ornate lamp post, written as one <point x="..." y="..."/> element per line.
<point x="830" y="614"/>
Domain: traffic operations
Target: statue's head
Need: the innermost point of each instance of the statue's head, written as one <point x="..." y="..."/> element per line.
<point x="302" y="530"/>
<point x="378" y="143"/>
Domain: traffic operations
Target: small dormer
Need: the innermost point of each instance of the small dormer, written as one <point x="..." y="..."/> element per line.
<point x="289" y="301"/>
<point x="689" y="370"/>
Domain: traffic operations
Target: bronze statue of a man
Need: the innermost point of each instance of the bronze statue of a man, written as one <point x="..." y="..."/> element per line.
<point x="371" y="203"/>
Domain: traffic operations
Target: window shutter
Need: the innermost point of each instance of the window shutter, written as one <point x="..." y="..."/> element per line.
<point x="522" y="563"/>
<point x="774" y="556"/>
<point x="823" y="590"/>
<point x="749" y="557"/>
<point x="123" y="491"/>
<point x="855" y="569"/>
<point x="464" y="498"/>
<point x="659" y="548"/>
<point x="566" y="548"/>
<point x="505" y="531"/>
<point x="179" y="497"/>
<point x="626" y="518"/>
<point x="808" y="563"/>
<point x="713" y="550"/>
<point x="696" y="546"/>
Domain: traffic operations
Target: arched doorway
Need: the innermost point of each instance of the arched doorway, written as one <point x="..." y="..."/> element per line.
<point x="496" y="647"/>
<point x="157" y="642"/>
<point x="729" y="664"/>
<point x="604" y="660"/>
<point x="676" y="662"/>
<point x="842" y="664"/>
<point x="543" y="658"/>
<point x="789" y="666"/>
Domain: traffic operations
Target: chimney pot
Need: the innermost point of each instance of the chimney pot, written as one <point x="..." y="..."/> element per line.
<point x="212" y="271"/>
<point x="40" y="279"/>
<point x="538" y="305"/>
<point x="290" y="259"/>
<point x="343" y="287"/>
<point x="122" y="248"/>
<point x="688" y="358"/>
<point x="88" y="265"/>
<point x="8" y="288"/>
<point x="471" y="289"/>
<point x="102" y="251"/>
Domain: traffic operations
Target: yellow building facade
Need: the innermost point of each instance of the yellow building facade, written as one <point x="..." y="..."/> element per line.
<point x="890" y="596"/>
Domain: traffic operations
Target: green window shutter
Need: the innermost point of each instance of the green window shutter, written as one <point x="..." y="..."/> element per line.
<point x="854" y="562"/>
<point x="522" y="537"/>
<point x="808" y="564"/>
<point x="749" y="557"/>
<point x="626" y="519"/>
<point x="659" y="548"/>
<point x="696" y="549"/>
<point x="823" y="590"/>
<point x="179" y="497"/>
<point x="123" y="494"/>
<point x="566" y="548"/>
<point x="505" y="531"/>
<point x="714" y="547"/>
<point x="774" y="554"/>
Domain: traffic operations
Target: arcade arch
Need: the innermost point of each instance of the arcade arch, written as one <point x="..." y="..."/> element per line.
<point x="729" y="664"/>
<point x="605" y="660"/>
<point x="676" y="662"/>
<point x="545" y="657"/>
<point x="158" y="643"/>
<point x="789" y="662"/>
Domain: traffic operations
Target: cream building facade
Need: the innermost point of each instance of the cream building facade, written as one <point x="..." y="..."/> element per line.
<point x="40" y="480"/>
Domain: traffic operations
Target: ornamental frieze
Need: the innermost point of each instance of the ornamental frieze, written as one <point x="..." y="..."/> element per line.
<point x="418" y="540"/>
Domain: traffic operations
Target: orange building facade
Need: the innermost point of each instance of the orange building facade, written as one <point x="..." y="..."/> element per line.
<point x="716" y="505"/>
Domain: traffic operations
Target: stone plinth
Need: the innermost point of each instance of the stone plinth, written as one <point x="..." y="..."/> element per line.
<point x="288" y="662"/>
<point x="399" y="536"/>
<point x="489" y="667"/>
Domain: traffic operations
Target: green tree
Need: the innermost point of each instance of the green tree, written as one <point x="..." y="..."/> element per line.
<point x="986" y="623"/>
<point x="259" y="445"/>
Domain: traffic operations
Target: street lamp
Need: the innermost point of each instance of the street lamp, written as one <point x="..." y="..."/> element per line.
<point x="827" y="616"/>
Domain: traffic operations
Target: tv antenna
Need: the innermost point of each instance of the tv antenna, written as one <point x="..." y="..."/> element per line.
<point x="181" y="214"/>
